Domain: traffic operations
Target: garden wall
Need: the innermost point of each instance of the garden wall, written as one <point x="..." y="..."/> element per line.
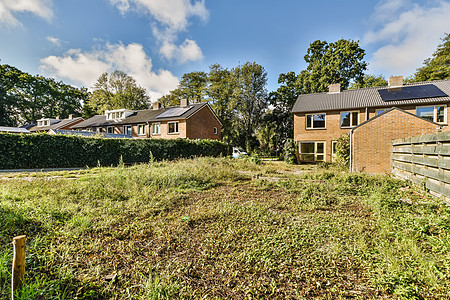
<point x="60" y="151"/>
<point x="425" y="160"/>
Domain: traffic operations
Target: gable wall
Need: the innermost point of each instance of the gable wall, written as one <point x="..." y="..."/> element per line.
<point x="372" y="142"/>
<point x="201" y="125"/>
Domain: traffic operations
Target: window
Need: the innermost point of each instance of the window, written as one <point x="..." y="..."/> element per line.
<point x="127" y="129"/>
<point x="312" y="151"/>
<point x="141" y="129"/>
<point x="380" y="111"/>
<point x="215" y="130"/>
<point x="315" y="121"/>
<point x="433" y="113"/>
<point x="110" y="129"/>
<point x="172" y="127"/>
<point x="333" y="150"/>
<point x="349" y="119"/>
<point x="156" y="128"/>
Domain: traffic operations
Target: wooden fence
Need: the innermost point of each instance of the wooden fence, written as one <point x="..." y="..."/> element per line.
<point x="424" y="160"/>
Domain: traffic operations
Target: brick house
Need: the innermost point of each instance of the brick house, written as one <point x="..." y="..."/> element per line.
<point x="194" y="121"/>
<point x="319" y="119"/>
<point x="371" y="141"/>
<point x="46" y="124"/>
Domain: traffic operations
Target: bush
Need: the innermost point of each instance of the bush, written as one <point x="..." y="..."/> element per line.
<point x="60" y="151"/>
<point x="343" y="150"/>
<point x="289" y="152"/>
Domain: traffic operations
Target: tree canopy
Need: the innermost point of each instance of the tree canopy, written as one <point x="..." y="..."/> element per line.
<point x="328" y="63"/>
<point x="369" y="81"/>
<point x="25" y="98"/>
<point x="114" y="91"/>
<point x="437" y="67"/>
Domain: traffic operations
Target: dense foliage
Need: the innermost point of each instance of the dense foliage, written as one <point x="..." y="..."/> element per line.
<point x="115" y="91"/>
<point x="437" y="67"/>
<point x="59" y="151"/>
<point x="343" y="150"/>
<point x="25" y="98"/>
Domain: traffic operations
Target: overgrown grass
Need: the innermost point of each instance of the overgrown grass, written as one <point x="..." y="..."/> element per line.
<point x="223" y="228"/>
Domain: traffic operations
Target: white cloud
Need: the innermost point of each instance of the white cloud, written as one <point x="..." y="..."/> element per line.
<point x="188" y="51"/>
<point x="407" y="34"/>
<point x="53" y="40"/>
<point x="86" y="67"/>
<point x="8" y="8"/>
<point x="172" y="17"/>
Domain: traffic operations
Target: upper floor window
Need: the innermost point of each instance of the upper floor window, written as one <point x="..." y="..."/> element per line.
<point x="435" y="113"/>
<point x="172" y="127"/>
<point x="315" y="121"/>
<point x="349" y="119"/>
<point x="215" y="130"/>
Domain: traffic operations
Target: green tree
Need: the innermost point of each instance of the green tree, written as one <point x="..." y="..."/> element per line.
<point x="437" y="67"/>
<point x="116" y="91"/>
<point x="193" y="87"/>
<point x="220" y="95"/>
<point x="24" y="98"/>
<point x="249" y="102"/>
<point x="266" y="138"/>
<point x="328" y="63"/>
<point x="369" y="81"/>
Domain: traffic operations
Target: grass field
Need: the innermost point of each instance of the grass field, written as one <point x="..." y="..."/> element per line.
<point x="221" y="228"/>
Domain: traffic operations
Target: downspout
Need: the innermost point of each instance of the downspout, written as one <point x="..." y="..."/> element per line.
<point x="351" y="149"/>
<point x="367" y="113"/>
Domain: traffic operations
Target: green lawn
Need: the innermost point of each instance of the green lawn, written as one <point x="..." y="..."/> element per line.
<point x="223" y="228"/>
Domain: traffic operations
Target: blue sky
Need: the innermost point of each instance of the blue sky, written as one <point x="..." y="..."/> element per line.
<point x="157" y="41"/>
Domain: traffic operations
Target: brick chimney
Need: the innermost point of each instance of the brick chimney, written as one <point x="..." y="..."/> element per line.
<point x="57" y="117"/>
<point x="156" y="105"/>
<point x="184" y="102"/>
<point x="395" y="81"/>
<point x="334" y="88"/>
<point x="70" y="117"/>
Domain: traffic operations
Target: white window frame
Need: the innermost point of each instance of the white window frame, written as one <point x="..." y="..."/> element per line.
<point x="435" y="112"/>
<point x="351" y="118"/>
<point x="177" y="127"/>
<point x="312" y="121"/>
<point x="156" y="125"/>
<point x="315" y="153"/>
<point x="110" y="129"/>
<point x="139" y="129"/>
<point x="333" y="152"/>
<point x="125" y="127"/>
<point x="215" y="130"/>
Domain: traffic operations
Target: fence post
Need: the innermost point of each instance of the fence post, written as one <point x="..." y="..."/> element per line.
<point x="18" y="266"/>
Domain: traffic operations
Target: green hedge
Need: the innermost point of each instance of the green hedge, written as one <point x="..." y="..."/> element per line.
<point x="60" y="151"/>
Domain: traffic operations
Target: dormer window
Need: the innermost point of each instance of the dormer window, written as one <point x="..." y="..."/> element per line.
<point x="117" y="115"/>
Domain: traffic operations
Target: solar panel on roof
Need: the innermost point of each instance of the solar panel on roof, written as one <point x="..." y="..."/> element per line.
<point x="411" y="92"/>
<point x="174" y="112"/>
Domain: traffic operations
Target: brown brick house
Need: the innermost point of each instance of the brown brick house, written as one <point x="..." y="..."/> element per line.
<point x="372" y="140"/>
<point x="194" y="121"/>
<point x="46" y="124"/>
<point x="319" y="119"/>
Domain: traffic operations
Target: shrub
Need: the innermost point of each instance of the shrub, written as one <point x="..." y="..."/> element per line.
<point x="343" y="150"/>
<point x="290" y="152"/>
<point x="60" y="151"/>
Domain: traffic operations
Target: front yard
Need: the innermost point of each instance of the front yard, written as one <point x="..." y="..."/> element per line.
<point x="223" y="228"/>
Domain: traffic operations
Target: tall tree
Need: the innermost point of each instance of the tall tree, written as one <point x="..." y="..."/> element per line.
<point x="115" y="91"/>
<point x="437" y="67"/>
<point x="282" y="100"/>
<point x="369" y="81"/>
<point x="328" y="63"/>
<point x="220" y="94"/>
<point x="193" y="87"/>
<point x="249" y="102"/>
<point x="25" y="98"/>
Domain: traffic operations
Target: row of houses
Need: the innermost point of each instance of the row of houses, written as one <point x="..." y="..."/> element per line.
<point x="194" y="121"/>
<point x="372" y="116"/>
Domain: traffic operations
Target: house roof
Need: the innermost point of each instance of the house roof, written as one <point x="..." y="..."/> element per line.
<point x="62" y="123"/>
<point x="91" y="133"/>
<point x="13" y="129"/>
<point x="146" y="115"/>
<point x="366" y="97"/>
<point x="391" y="109"/>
